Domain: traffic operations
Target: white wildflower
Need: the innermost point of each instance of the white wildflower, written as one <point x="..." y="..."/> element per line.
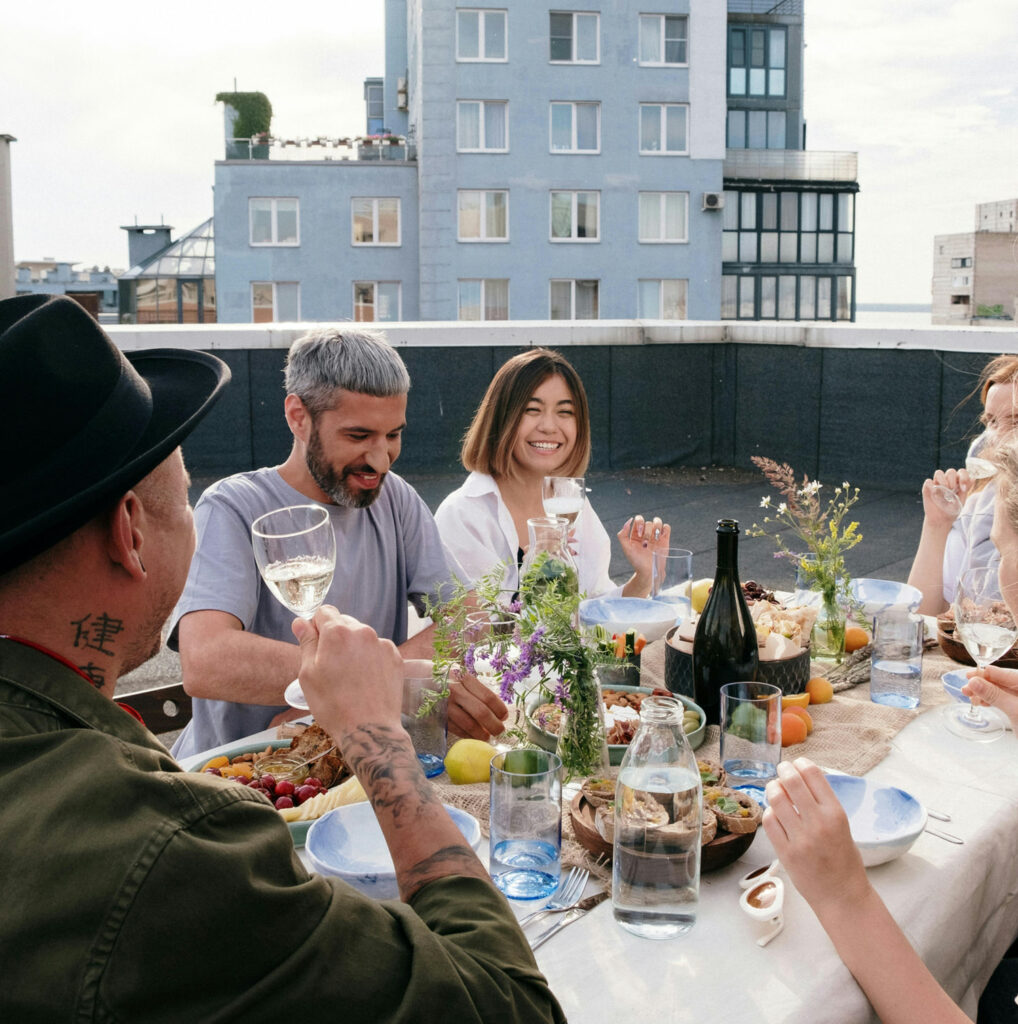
<point x="765" y="502"/>
<point x="782" y="508"/>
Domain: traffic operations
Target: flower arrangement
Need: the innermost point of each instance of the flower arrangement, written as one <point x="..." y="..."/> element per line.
<point x="824" y="537"/>
<point x="528" y="640"/>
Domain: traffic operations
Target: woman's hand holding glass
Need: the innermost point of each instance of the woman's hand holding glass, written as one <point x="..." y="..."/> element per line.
<point x="944" y="495"/>
<point x="995" y="687"/>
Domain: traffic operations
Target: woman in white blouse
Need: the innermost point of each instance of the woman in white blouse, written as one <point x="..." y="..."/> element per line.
<point x="534" y="422"/>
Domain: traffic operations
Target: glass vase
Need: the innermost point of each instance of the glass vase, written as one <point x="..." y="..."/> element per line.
<point x="583" y="738"/>
<point x="548" y="563"/>
<point x="828" y="636"/>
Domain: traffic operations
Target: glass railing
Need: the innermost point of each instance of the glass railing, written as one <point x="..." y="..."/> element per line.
<point x="790" y="164"/>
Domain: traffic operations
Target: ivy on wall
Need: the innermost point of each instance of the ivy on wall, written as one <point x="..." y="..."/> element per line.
<point x="254" y="112"/>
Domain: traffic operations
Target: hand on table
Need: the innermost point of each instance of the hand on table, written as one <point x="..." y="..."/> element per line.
<point x="995" y="687"/>
<point x="640" y="539"/>
<point x="956" y="480"/>
<point x="809" y="831"/>
<point x="474" y="711"/>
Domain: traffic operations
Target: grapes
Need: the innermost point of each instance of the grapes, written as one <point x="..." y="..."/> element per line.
<point x="282" y="793"/>
<point x="283" y="801"/>
<point x="285" y="788"/>
<point x="306" y="792"/>
<point x="269" y="780"/>
<point x="312" y="781"/>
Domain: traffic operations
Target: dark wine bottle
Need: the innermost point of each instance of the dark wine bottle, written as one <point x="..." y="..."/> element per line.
<point x="724" y="646"/>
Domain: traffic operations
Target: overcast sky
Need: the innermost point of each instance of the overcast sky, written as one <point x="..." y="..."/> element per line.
<point x="113" y="106"/>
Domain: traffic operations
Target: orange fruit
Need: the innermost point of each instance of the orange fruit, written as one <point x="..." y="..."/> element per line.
<point x="799" y="713"/>
<point x="855" y="637"/>
<point x="793" y="730"/>
<point x="794" y="700"/>
<point x="820" y="690"/>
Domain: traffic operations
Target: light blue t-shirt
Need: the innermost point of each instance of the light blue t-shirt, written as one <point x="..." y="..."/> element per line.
<point x="386" y="554"/>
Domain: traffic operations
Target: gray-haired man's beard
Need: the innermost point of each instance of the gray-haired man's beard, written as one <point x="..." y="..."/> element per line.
<point x="334" y="484"/>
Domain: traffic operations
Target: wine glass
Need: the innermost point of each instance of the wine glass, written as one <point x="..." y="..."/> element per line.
<point x="563" y="496"/>
<point x="948" y="500"/>
<point x="987" y="629"/>
<point x="295" y="550"/>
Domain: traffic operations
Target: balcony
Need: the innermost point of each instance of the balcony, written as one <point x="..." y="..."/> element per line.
<point x="790" y="165"/>
<point x="781" y="8"/>
<point x="360" y="147"/>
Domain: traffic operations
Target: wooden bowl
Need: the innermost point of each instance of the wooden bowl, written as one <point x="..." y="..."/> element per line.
<point x="721" y="851"/>
<point x="956" y="650"/>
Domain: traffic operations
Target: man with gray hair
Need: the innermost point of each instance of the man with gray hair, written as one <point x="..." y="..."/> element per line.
<point x="346" y="408"/>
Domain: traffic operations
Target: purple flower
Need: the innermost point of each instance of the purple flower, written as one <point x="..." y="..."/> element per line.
<point x="468" y="660"/>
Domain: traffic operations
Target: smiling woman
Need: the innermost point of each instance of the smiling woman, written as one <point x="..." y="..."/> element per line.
<point x="532" y="423"/>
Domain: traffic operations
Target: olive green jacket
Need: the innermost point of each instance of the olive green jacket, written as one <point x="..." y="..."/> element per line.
<point x="133" y="891"/>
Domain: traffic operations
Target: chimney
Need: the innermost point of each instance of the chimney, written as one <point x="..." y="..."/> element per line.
<point x="145" y="240"/>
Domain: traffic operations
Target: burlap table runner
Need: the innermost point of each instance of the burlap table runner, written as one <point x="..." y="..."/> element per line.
<point x="850" y="734"/>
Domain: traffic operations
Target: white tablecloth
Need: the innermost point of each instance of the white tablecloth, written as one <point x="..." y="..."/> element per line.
<point x="955" y="903"/>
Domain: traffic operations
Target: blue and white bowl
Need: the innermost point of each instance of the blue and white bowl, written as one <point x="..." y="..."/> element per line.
<point x="876" y="596"/>
<point x="953" y="682"/>
<point x="885" y="821"/>
<point x="348" y="843"/>
<point x="620" y="614"/>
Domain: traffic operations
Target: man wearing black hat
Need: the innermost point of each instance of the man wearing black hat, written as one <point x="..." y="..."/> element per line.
<point x="134" y="891"/>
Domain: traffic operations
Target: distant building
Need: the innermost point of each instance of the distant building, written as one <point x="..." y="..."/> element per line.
<point x="975" y="274"/>
<point x="540" y="163"/>
<point x="169" y="282"/>
<point x="95" y="289"/>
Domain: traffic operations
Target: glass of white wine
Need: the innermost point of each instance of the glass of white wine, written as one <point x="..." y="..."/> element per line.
<point x="295" y="550"/>
<point x="563" y="496"/>
<point x="987" y="629"/>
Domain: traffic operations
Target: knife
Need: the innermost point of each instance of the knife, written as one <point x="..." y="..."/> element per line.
<point x="588" y="903"/>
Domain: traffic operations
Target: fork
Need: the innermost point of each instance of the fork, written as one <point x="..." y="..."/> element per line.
<point x="564" y="896"/>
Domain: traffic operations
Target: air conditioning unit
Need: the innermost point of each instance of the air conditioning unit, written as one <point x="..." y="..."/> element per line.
<point x="401" y="94"/>
<point x="713" y="200"/>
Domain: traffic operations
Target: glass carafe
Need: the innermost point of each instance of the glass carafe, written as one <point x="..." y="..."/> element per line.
<point x="548" y="562"/>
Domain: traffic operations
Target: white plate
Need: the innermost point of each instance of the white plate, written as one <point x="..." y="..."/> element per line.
<point x="885" y="821"/>
<point x="348" y="843"/>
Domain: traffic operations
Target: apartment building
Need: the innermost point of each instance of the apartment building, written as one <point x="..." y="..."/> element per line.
<point x="610" y="162"/>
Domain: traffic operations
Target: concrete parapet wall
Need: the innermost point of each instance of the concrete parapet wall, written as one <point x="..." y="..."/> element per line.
<point x="839" y="401"/>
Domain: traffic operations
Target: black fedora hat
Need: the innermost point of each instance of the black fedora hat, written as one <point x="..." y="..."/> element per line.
<point x="83" y="423"/>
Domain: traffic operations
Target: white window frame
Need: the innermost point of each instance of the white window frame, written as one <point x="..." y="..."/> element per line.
<point x="574" y="146"/>
<point x="374" y="302"/>
<point x="483" y="13"/>
<point x="274" y="213"/>
<point x="661" y="282"/>
<point x="275" y="300"/>
<point x="663" y="129"/>
<point x="483" y="281"/>
<point x="482" y="236"/>
<point x="661" y="62"/>
<point x="572" y="282"/>
<point x="375" y="200"/>
<point x="573" y="37"/>
<point x="662" y="220"/>
<point x="574" y="195"/>
<point x="482" y="104"/>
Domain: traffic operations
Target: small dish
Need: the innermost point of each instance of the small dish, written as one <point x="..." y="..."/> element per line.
<point x="885" y="821"/>
<point x="876" y="596"/>
<point x="953" y="682"/>
<point x="347" y="843"/>
<point x="620" y="614"/>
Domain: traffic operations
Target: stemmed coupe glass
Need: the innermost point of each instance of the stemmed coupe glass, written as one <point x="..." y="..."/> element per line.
<point x="987" y="629"/>
<point x="948" y="500"/>
<point x="295" y="550"/>
<point x="563" y="496"/>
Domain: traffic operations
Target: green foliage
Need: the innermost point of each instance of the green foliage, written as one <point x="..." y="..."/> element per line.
<point x="997" y="310"/>
<point x="254" y="113"/>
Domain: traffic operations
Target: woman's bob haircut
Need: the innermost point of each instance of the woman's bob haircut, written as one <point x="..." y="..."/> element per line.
<point x="488" y="442"/>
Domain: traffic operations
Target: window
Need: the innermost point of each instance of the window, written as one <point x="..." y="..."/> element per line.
<point x="482" y="126"/>
<point x="575" y="127"/>
<point x="484" y="299"/>
<point x="374" y="94"/>
<point x="663" y="127"/>
<point x="375" y="221"/>
<point x="956" y="300"/>
<point x="756" y="129"/>
<point x="574" y="300"/>
<point x="480" y="35"/>
<point x="662" y="300"/>
<point x="574" y="216"/>
<point x="663" y="216"/>
<point x="756" y="60"/>
<point x="960" y="261"/>
<point x="274" y="221"/>
<point x="663" y="39"/>
<point x="483" y="216"/>
<point x="275" y="301"/>
<point x="375" y="301"/>
<point x="574" y="37"/>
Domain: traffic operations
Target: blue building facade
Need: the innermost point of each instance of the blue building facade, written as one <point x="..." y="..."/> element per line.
<point x="548" y="164"/>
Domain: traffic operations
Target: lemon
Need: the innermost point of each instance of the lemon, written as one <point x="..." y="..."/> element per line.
<point x="698" y="594"/>
<point x="469" y="761"/>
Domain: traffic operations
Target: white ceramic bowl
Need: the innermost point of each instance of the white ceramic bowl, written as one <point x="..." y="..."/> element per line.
<point x="885" y="821"/>
<point x="620" y="614"/>
<point x="876" y="596"/>
<point x="348" y="843"/>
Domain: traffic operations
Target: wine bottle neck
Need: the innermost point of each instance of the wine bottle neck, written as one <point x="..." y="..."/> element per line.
<point x="728" y="555"/>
